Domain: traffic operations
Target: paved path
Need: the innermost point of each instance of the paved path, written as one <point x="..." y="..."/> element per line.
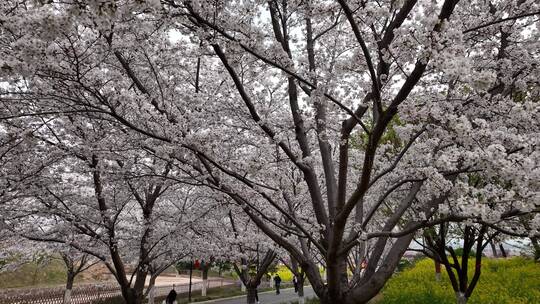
<point x="270" y="297"/>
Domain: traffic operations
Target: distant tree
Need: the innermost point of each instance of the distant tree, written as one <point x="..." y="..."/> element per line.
<point x="75" y="263"/>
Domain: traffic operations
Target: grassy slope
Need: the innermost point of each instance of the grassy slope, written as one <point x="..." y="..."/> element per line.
<point x="51" y="274"/>
<point x="30" y="274"/>
<point x="512" y="281"/>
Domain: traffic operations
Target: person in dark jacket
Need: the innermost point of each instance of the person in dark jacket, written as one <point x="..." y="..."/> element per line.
<point x="171" y="297"/>
<point x="277" y="281"/>
<point x="295" y="283"/>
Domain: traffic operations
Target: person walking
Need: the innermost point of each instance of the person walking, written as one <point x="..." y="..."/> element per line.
<point x="277" y="281"/>
<point x="295" y="284"/>
<point x="171" y="297"/>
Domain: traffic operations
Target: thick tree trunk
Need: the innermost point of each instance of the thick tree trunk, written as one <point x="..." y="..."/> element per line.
<point x="301" y="289"/>
<point x="336" y="276"/>
<point x="329" y="300"/>
<point x="461" y="298"/>
<point x="251" y="295"/>
<point x="132" y="296"/>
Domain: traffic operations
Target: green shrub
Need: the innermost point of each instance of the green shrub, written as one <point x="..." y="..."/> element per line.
<point x="459" y="252"/>
<point x="404" y="264"/>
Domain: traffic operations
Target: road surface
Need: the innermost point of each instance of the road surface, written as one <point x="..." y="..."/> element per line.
<point x="286" y="296"/>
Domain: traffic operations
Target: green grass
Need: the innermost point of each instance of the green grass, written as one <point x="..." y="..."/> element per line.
<point x="31" y="274"/>
<point x="510" y="281"/>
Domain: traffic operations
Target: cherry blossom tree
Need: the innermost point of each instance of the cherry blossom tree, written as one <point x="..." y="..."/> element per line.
<point x="75" y="263"/>
<point x="253" y="258"/>
<point x="340" y="127"/>
<point x="111" y="202"/>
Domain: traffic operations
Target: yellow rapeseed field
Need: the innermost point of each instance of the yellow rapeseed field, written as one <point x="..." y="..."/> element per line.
<point x="503" y="281"/>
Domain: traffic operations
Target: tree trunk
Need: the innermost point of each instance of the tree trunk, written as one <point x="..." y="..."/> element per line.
<point x="251" y="293"/>
<point x="437" y="271"/>
<point x="503" y="251"/>
<point x="536" y="246"/>
<point x="494" y="249"/>
<point x="152" y="288"/>
<point x="336" y="276"/>
<point x="204" y="287"/>
<point x="461" y="298"/>
<point x="329" y="300"/>
<point x="204" y="281"/>
<point x="131" y="296"/>
<point x="151" y="295"/>
<point x="301" y="289"/>
<point x="69" y="286"/>
<point x="242" y="286"/>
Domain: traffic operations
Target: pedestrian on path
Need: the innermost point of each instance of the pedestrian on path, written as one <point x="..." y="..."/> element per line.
<point x="171" y="297"/>
<point x="277" y="281"/>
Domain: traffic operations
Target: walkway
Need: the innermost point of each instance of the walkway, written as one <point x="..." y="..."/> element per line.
<point x="287" y="295"/>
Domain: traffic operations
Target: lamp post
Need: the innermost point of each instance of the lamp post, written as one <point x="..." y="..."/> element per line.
<point x="190" y="276"/>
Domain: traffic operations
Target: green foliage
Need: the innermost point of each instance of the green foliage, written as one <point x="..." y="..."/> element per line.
<point x="36" y="273"/>
<point x="390" y="136"/>
<point x="404" y="264"/>
<point x="182" y="265"/>
<point x="510" y="281"/>
<point x="459" y="252"/>
<point x="223" y="265"/>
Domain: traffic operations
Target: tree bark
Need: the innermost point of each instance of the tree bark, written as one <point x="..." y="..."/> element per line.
<point x="461" y="298"/>
<point x="242" y="286"/>
<point x="494" y="249"/>
<point x="503" y="251"/>
<point x="204" y="288"/>
<point x="132" y="296"/>
<point x="437" y="271"/>
<point x="301" y="289"/>
<point x="69" y="287"/>
<point x="151" y="295"/>
<point x="536" y="246"/>
<point x="251" y="292"/>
